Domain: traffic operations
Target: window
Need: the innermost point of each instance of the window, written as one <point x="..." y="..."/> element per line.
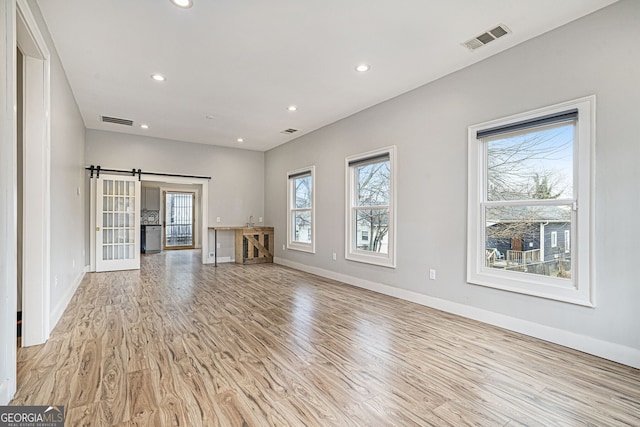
<point x="370" y="231"/>
<point x="530" y="180"/>
<point x="300" y="209"/>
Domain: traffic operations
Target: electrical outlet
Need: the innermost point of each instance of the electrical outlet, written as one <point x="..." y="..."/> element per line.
<point x="212" y="254"/>
<point x="283" y="248"/>
<point x="55" y="281"/>
<point x="334" y="256"/>
<point x="260" y="220"/>
<point x="218" y="246"/>
<point x="73" y="263"/>
<point x="432" y="274"/>
<point x="217" y="219"/>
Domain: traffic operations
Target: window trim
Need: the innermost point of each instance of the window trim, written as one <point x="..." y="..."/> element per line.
<point x="352" y="253"/>
<point x="580" y="289"/>
<point x="291" y="177"/>
<point x="554" y="239"/>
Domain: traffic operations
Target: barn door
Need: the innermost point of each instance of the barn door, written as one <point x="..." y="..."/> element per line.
<point x="117" y="223"/>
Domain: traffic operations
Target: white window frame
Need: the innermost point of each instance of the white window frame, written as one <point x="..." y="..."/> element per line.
<point x="351" y="251"/>
<point x="291" y="209"/>
<point x="554" y="239"/>
<point x="580" y="289"/>
<point x="567" y="240"/>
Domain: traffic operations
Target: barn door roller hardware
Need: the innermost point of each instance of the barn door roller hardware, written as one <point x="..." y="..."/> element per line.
<point x="139" y="172"/>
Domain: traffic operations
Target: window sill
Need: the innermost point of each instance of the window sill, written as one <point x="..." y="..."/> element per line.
<point x="301" y="247"/>
<point x="382" y="261"/>
<point x="552" y="288"/>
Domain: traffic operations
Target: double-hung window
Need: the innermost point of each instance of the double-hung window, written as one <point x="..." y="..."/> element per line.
<point x="530" y="182"/>
<point x="301" y="209"/>
<point x="370" y="202"/>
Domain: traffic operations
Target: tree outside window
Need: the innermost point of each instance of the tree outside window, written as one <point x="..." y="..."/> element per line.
<point x="370" y="204"/>
<point x="529" y="194"/>
<point x="300" y="209"/>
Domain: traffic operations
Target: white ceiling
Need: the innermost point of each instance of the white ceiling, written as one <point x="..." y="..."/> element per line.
<point x="245" y="61"/>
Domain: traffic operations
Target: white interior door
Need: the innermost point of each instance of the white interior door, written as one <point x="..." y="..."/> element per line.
<point x="117" y="223"/>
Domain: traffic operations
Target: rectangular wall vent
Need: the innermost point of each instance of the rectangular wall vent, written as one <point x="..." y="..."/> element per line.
<point x="117" y="121"/>
<point x="289" y="131"/>
<point x="486" y="37"/>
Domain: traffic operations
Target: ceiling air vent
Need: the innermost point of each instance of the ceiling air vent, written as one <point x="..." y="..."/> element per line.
<point x="487" y="37"/>
<point x="289" y="131"/>
<point x="117" y="121"/>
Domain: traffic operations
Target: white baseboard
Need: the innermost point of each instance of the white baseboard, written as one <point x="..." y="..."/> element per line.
<point x="7" y="391"/>
<point x="221" y="260"/>
<point x="618" y="353"/>
<point x="57" y="312"/>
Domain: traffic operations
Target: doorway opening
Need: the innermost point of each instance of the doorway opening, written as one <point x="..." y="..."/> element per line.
<point x="179" y="219"/>
<point x="33" y="178"/>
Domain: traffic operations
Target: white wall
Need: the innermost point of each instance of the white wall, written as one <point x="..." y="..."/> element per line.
<point x="236" y="190"/>
<point x="67" y="158"/>
<point x="67" y="176"/>
<point x="594" y="55"/>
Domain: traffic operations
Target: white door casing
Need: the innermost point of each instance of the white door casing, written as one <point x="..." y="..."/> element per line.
<point x="8" y="211"/>
<point x="18" y="27"/>
<point x="203" y="204"/>
<point x="36" y="231"/>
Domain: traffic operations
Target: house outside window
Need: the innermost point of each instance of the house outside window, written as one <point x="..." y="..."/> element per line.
<point x="530" y="181"/>
<point x="370" y="216"/>
<point x="301" y="209"/>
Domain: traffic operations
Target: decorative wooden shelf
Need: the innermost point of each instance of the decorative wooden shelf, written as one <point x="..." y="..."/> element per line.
<point x="253" y="245"/>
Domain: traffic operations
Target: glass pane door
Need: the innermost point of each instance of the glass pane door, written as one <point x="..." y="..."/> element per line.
<point x="117" y="223"/>
<point x="179" y="219"/>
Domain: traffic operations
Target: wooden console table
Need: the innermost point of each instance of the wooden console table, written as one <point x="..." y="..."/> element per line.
<point x="253" y="245"/>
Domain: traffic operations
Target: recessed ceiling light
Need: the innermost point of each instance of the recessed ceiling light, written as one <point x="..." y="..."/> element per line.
<point x="240" y="140"/>
<point x="362" y="68"/>
<point x="209" y="117"/>
<point x="144" y="126"/>
<point x="158" y="77"/>
<point x="183" y="3"/>
<point x="292" y="108"/>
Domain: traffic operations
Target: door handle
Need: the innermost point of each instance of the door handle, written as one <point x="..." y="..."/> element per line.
<point x="97" y="228"/>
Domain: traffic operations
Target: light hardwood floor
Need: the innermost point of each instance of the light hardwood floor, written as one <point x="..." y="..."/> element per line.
<point x="182" y="344"/>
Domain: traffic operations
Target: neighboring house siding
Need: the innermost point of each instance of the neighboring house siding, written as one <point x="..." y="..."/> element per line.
<point x="552" y="253"/>
<point x="530" y="238"/>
